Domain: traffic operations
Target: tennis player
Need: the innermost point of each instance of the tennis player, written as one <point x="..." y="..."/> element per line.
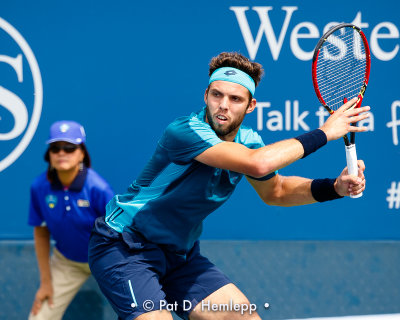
<point x="145" y="253"/>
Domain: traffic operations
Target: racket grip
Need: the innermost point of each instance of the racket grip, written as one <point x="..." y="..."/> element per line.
<point x="352" y="167"/>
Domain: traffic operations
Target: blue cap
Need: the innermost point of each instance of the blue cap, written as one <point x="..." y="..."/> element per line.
<point x="68" y="131"/>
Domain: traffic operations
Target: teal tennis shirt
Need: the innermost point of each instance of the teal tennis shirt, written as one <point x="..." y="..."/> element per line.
<point x="174" y="193"/>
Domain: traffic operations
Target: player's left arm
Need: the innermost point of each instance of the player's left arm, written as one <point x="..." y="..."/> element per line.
<point x="294" y="191"/>
<point x="284" y="191"/>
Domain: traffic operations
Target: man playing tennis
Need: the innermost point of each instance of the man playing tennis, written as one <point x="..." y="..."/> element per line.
<point x="145" y="253"/>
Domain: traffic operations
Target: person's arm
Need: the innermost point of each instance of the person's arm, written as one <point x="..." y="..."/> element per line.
<point x="294" y="191"/>
<point x="284" y="191"/>
<point x="42" y="248"/>
<point x="260" y="162"/>
<point x="253" y="162"/>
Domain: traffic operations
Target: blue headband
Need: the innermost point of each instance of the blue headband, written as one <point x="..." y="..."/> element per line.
<point x="234" y="75"/>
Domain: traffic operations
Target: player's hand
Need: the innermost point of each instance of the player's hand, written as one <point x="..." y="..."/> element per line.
<point x="349" y="184"/>
<point x="45" y="292"/>
<point x="339" y="123"/>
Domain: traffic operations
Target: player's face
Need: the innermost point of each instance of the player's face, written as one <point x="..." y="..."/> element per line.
<point x="227" y="104"/>
<point x="65" y="160"/>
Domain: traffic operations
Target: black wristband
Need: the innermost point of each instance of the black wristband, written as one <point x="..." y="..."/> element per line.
<point x="323" y="190"/>
<point x="312" y="141"/>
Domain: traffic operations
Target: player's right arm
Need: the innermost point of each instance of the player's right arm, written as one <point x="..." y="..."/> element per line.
<point x="262" y="161"/>
<point x="42" y="248"/>
<point x="252" y="162"/>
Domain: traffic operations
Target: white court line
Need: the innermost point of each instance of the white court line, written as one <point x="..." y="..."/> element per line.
<point x="392" y="316"/>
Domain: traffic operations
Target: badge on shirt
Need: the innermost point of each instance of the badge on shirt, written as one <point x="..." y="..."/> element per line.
<point x="51" y="201"/>
<point x="83" y="203"/>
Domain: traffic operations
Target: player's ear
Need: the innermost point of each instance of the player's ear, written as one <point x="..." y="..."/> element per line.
<point x="251" y="106"/>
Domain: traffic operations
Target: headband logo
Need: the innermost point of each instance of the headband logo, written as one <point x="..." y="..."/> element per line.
<point x="230" y="73"/>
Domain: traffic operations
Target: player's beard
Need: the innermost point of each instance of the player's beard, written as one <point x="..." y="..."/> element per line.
<point x="219" y="129"/>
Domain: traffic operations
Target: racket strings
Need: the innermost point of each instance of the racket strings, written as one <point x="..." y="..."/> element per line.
<point x="336" y="78"/>
<point x="341" y="67"/>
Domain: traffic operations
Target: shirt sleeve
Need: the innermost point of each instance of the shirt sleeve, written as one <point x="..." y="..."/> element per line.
<point x="186" y="138"/>
<point x="35" y="218"/>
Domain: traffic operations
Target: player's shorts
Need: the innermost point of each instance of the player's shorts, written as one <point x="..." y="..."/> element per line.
<point x="137" y="276"/>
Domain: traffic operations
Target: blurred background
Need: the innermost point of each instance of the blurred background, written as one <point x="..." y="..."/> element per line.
<point x="126" y="69"/>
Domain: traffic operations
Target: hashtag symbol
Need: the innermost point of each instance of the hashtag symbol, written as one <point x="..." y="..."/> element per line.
<point x="394" y="195"/>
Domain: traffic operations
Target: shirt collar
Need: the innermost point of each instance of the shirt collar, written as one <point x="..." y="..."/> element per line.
<point x="76" y="185"/>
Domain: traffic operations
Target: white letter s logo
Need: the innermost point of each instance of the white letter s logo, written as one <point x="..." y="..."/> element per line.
<point x="14" y="104"/>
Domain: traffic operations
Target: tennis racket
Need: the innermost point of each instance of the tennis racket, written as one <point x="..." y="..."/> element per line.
<point x="340" y="72"/>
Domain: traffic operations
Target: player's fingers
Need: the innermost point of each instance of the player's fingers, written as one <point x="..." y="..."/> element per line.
<point x="361" y="167"/>
<point x="357" y="129"/>
<point x="356" y="192"/>
<point x="348" y="104"/>
<point x="352" y="179"/>
<point x="358" y="118"/>
<point x="357" y="111"/>
<point x="356" y="189"/>
<point x="355" y="183"/>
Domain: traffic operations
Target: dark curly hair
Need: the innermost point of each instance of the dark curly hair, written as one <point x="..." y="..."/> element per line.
<point x="238" y="61"/>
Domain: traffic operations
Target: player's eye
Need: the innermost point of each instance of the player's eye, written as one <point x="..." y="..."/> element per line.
<point x="236" y="99"/>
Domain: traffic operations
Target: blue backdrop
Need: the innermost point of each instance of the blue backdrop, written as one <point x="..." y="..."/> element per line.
<point x="125" y="69"/>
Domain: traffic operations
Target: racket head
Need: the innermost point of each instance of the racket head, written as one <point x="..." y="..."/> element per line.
<point x="341" y="66"/>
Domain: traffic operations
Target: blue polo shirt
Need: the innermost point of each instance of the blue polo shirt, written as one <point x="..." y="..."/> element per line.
<point x="69" y="214"/>
<point x="175" y="193"/>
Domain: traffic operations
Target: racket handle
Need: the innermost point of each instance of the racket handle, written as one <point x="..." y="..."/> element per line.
<point x="352" y="167"/>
